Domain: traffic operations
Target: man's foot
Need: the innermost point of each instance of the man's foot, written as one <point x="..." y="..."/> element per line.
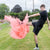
<point x="36" y="48"/>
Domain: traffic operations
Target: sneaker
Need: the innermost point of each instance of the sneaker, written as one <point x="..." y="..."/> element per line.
<point x="36" y="48"/>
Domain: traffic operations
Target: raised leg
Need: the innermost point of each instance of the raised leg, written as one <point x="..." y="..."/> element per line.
<point x="29" y="23"/>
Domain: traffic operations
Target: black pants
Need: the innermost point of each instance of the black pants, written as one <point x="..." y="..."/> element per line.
<point x="37" y="27"/>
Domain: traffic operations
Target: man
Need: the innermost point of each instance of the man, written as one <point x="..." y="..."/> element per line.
<point x="39" y="24"/>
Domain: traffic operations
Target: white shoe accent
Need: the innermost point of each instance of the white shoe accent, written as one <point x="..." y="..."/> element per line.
<point x="36" y="48"/>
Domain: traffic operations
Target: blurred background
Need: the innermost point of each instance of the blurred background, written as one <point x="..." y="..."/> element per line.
<point x="7" y="7"/>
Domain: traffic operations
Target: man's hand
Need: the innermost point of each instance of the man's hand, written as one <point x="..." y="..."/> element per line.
<point x="49" y="27"/>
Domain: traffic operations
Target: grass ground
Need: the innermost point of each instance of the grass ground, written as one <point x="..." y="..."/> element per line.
<point x="7" y="43"/>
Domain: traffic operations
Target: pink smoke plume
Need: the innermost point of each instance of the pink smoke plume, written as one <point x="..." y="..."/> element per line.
<point x="19" y="29"/>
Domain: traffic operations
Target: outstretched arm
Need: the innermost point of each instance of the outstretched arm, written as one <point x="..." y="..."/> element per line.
<point x="34" y="15"/>
<point x="30" y="23"/>
<point x="48" y="23"/>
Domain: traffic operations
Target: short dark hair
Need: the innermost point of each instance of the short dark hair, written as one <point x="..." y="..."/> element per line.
<point x="42" y="6"/>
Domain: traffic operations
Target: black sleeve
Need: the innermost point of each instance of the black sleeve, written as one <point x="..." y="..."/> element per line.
<point x="41" y="13"/>
<point x="44" y="13"/>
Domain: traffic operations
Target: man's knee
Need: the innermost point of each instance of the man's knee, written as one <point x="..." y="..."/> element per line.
<point x="35" y="35"/>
